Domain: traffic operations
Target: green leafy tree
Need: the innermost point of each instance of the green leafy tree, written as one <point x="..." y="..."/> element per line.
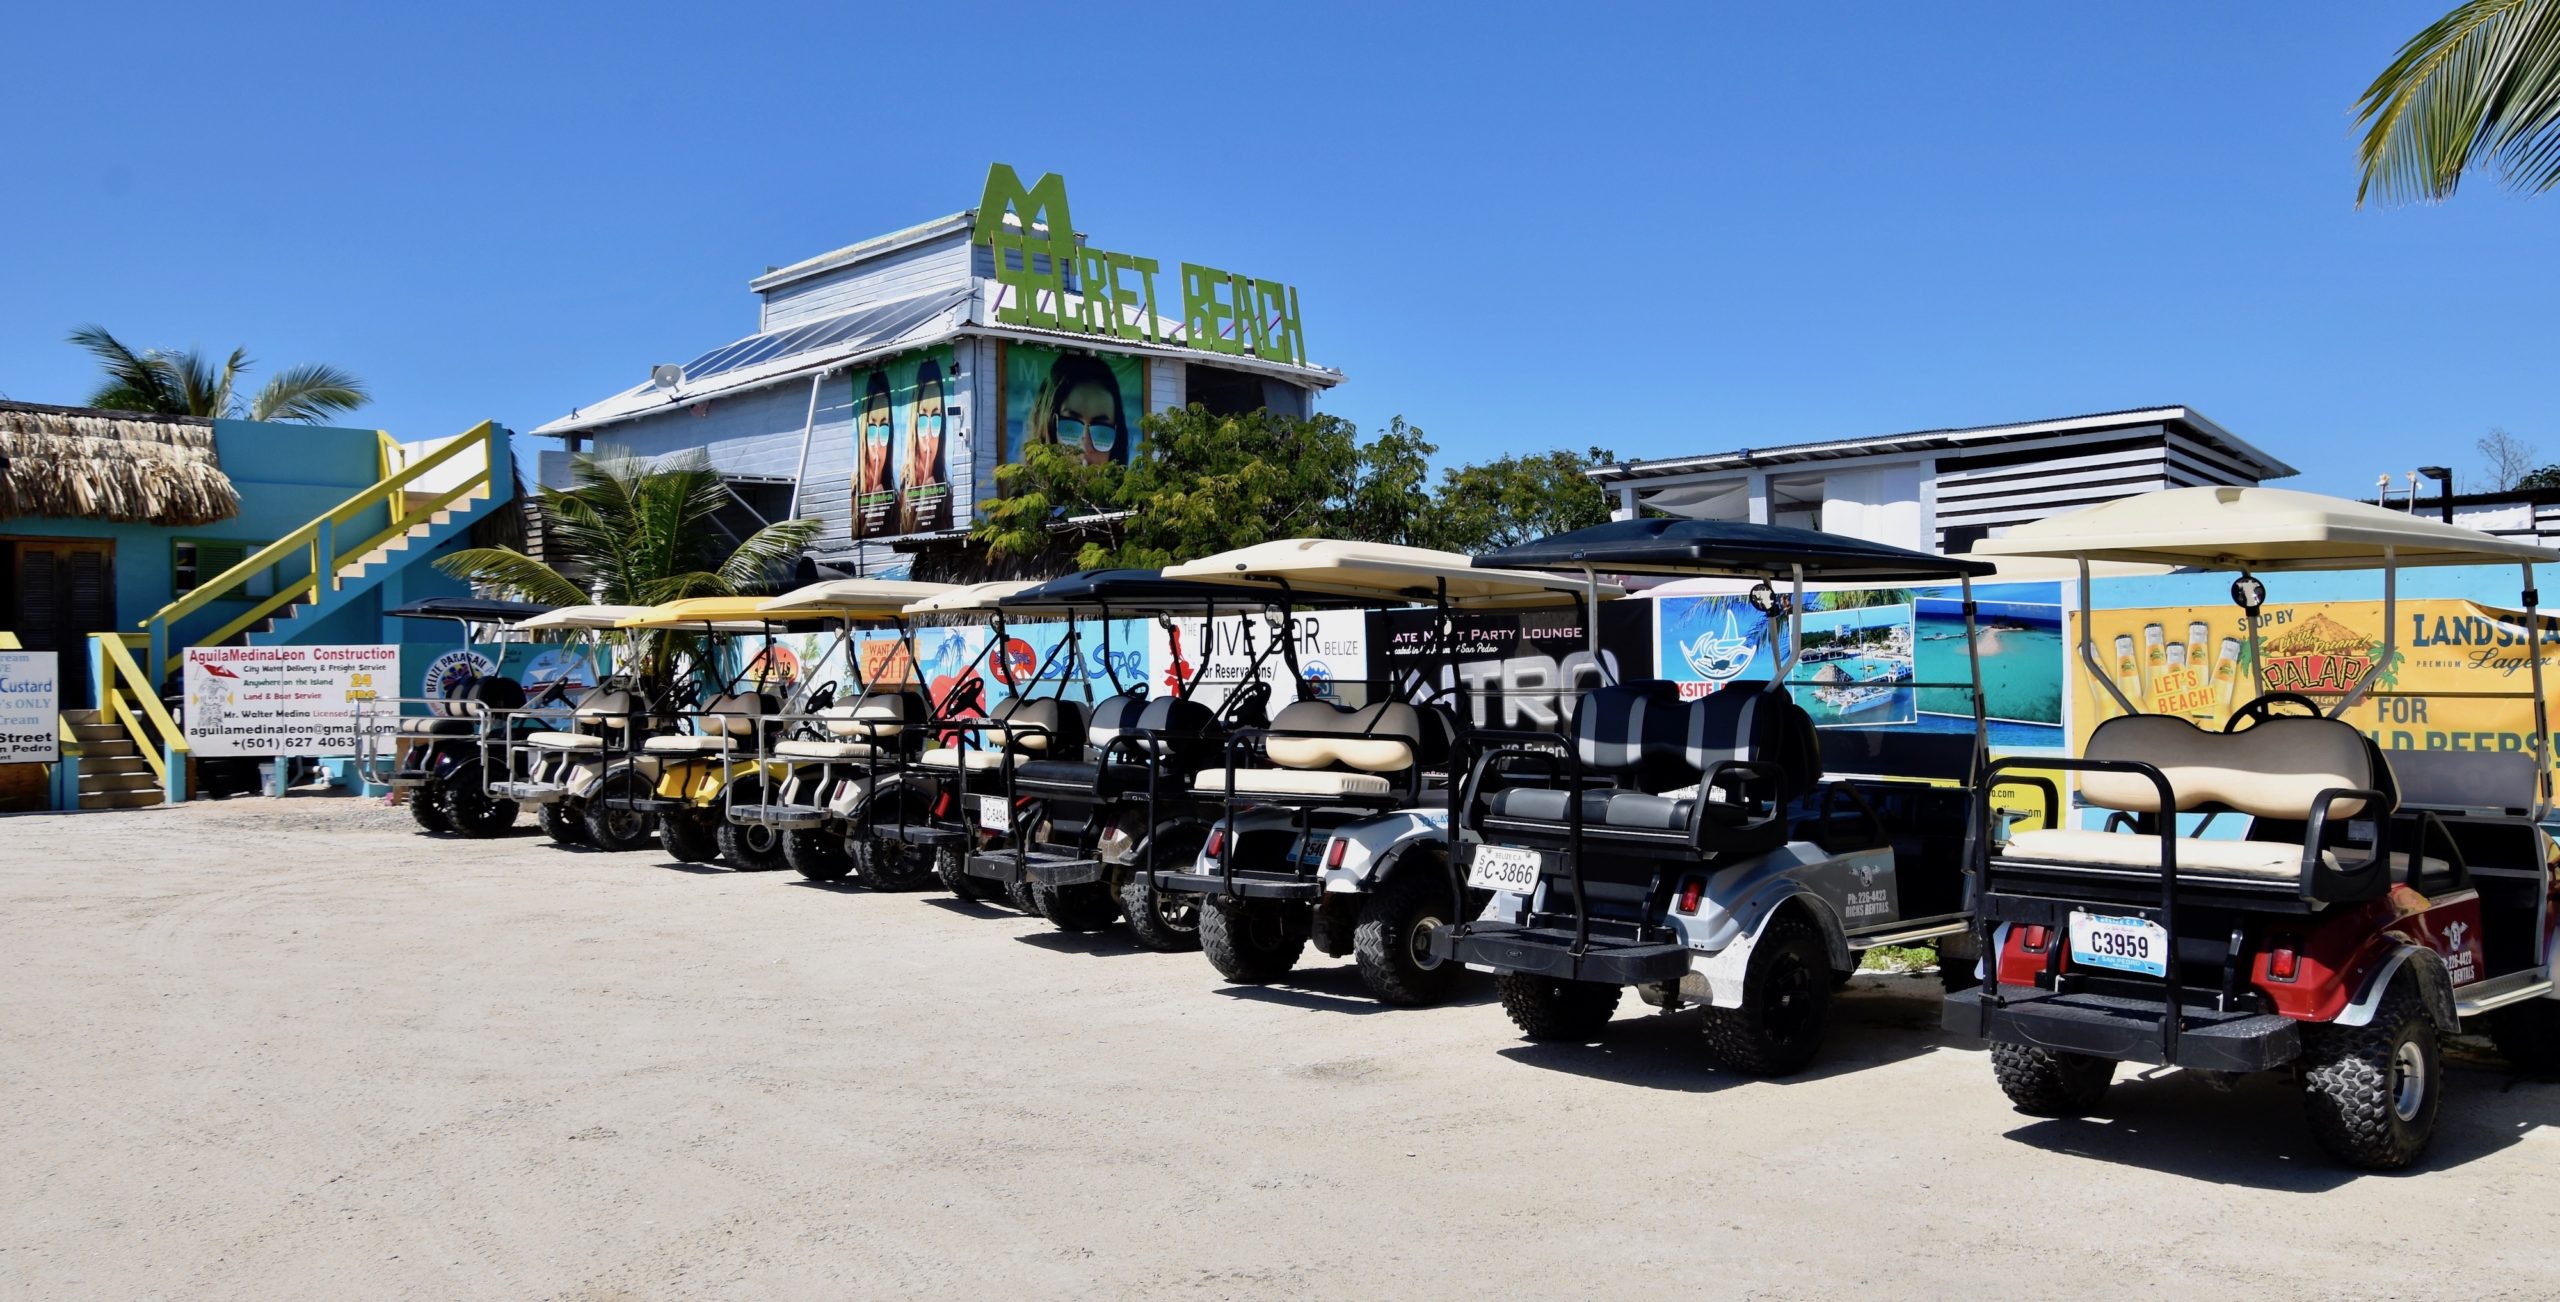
<point x="188" y="383"/>
<point x="626" y="532"/>
<point x="1204" y="483"/>
<point x="1514" y="499"/>
<point x="2481" y="85"/>
<point x="2546" y="477"/>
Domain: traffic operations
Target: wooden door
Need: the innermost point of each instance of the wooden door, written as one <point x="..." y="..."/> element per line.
<point x="62" y="590"/>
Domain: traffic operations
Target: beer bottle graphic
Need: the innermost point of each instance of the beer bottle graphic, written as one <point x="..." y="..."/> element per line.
<point x="2155" y="654"/>
<point x="2198" y="638"/>
<point x="2226" y="669"/>
<point x="2128" y="669"/>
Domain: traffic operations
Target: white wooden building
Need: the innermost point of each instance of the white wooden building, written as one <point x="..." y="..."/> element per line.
<point x="899" y="336"/>
<point x="1940" y="489"/>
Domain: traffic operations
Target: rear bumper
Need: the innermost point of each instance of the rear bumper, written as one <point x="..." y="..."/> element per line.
<point x="2125" y="1030"/>
<point x="1062" y="870"/>
<point x="1246" y="886"/>
<point x="995" y="866"/>
<point x="1548" y="952"/>
<point x="527" y="793"/>
<point x="924" y="834"/>
<point x="789" y="817"/>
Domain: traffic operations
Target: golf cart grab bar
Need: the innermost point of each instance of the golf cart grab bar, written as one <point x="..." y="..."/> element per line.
<point x="2172" y="1015"/>
<point x="2316" y="874"/>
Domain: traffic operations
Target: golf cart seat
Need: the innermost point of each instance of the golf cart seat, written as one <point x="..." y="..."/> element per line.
<point x="1321" y="750"/>
<point x="435" y="725"/>
<point x="565" y="740"/>
<point x="2317" y="792"/>
<point x="879" y="716"/>
<point x="1020" y="726"/>
<point x="1184" y="730"/>
<point x="484" y="696"/>
<point x="605" y="707"/>
<point x="1735" y="757"/>
<point x="729" y="721"/>
<point x="807" y="749"/>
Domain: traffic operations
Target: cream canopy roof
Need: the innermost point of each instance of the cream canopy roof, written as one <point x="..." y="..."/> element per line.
<point x="969" y="597"/>
<point x="1383" y="573"/>
<point x="583" y="617"/>
<point x="2256" y="528"/>
<point x="852" y="599"/>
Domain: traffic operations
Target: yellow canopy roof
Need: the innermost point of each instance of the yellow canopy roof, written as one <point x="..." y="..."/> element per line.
<point x="2259" y="529"/>
<point x="852" y="599"/>
<point x="723" y="614"/>
<point x="1382" y="573"/>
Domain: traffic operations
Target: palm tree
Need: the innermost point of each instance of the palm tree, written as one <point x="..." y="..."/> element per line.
<point x="626" y="532"/>
<point x="2482" y="84"/>
<point x="188" y="383"/>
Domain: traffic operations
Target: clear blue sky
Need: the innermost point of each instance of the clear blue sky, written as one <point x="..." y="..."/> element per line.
<point x="1664" y="230"/>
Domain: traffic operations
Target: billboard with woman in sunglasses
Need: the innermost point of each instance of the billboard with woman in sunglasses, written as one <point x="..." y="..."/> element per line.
<point x="1086" y="403"/>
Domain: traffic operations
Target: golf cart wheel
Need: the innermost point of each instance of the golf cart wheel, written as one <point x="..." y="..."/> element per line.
<point x="1552" y="1008"/>
<point x="2528" y="1035"/>
<point x="887" y="864"/>
<point x="559" y="824"/>
<point x="688" y="836"/>
<point x="471" y="810"/>
<point x="1167" y="922"/>
<point x="426" y="805"/>
<point x="1021" y="896"/>
<point x="817" y="853"/>
<point x="610" y="828"/>
<point x="947" y="870"/>
<point x="2372" y="1091"/>
<point x="1084" y="906"/>
<point x="1786" y="1001"/>
<point x="1250" y="942"/>
<point x="750" y="847"/>
<point x="2042" y="1083"/>
<point x="1392" y="940"/>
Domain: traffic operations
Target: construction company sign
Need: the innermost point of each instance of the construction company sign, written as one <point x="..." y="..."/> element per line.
<point x="1038" y="258"/>
<point x="30" y="707"/>
<point x="285" y="700"/>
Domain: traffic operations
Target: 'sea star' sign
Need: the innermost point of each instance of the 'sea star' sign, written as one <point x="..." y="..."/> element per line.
<point x="1051" y="283"/>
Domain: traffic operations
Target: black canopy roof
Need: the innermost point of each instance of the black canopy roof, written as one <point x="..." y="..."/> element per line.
<point x="1658" y="546"/>
<point x="479" y="610"/>
<point x="1134" y="591"/>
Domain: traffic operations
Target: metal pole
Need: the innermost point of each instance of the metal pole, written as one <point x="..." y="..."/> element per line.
<point x="2541" y="709"/>
<point x="808" y="430"/>
<point x="2089" y="645"/>
<point x="2390" y="631"/>
<point x="1981" y="712"/>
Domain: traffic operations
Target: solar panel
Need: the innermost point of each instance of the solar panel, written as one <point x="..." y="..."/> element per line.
<point x="878" y="322"/>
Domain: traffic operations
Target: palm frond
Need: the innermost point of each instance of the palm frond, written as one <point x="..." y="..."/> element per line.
<point x="310" y="393"/>
<point x="2480" y="85"/>
<point x="767" y="549"/>
<point x="134" y="381"/>
<point x="514" y="573"/>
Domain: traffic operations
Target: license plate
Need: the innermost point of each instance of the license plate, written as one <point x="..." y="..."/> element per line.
<point x="2125" y="944"/>
<point x="995" y="814"/>
<point x="1501" y="868"/>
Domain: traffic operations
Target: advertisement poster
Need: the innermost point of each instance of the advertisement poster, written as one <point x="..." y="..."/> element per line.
<point x="284" y="700"/>
<point x="1086" y="403"/>
<point x="950" y="657"/>
<point x="1513" y="669"/>
<point x="1215" y="657"/>
<point x="1041" y="664"/>
<point x="1888" y="657"/>
<point x="902" y="445"/>
<point x="450" y="675"/>
<point x="2459" y="680"/>
<point x="30" y="707"/>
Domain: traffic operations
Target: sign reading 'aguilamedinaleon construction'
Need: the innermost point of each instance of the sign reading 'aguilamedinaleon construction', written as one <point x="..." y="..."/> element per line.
<point x="284" y="700"/>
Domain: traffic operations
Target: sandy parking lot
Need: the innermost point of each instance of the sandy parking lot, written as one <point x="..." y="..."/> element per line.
<point x="291" y="1048"/>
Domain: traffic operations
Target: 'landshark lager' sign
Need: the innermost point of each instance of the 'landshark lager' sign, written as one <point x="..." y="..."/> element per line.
<point x="1038" y="261"/>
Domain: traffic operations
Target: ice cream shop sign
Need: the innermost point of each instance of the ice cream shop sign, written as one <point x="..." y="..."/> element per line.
<point x="1045" y="280"/>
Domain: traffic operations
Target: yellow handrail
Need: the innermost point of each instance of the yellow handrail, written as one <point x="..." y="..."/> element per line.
<point x="274" y="552"/>
<point x="326" y="561"/>
<point x="122" y="669"/>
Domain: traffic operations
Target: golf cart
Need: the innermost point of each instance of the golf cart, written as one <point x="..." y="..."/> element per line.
<point x="2374" y="902"/>
<point x="688" y="777"/>
<point x="558" y="769"/>
<point x="921" y="822"/>
<point x="1088" y="829"/>
<point x="1696" y="849"/>
<point x="1334" y="826"/>
<point x="436" y="754"/>
<point x="834" y="754"/>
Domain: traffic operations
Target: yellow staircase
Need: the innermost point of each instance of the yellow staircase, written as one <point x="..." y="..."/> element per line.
<point x="113" y="773"/>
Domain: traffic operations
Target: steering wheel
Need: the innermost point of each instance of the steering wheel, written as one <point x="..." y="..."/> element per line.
<point x="2262" y="709"/>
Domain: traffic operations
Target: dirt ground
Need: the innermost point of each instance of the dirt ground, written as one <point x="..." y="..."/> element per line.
<point x="291" y="1048"/>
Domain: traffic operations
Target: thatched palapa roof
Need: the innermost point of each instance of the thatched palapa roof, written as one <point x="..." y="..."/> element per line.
<point x="125" y="466"/>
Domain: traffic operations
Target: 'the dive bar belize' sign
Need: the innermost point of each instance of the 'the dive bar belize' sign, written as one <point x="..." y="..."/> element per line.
<point x="1115" y="293"/>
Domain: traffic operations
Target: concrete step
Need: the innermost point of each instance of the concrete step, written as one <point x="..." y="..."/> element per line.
<point x="120" y="799"/>
<point x="105" y="768"/>
<point x="113" y="745"/>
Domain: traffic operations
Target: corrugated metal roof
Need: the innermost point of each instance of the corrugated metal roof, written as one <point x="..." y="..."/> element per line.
<point x="759" y="359"/>
<point x="1942" y="439"/>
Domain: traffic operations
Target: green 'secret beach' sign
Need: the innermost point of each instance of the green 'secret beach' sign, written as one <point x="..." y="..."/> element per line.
<point x="1115" y="294"/>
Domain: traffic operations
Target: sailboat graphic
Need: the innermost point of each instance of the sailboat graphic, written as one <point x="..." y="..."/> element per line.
<point x="1718" y="656"/>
